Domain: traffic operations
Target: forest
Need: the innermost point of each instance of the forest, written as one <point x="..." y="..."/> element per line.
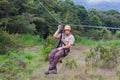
<point x="26" y="38"/>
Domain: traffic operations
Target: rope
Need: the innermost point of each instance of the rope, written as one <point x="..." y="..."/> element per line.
<point x="58" y="21"/>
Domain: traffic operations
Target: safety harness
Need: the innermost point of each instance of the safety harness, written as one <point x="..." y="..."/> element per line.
<point x="66" y="51"/>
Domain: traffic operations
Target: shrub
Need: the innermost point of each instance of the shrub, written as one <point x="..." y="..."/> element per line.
<point x="104" y="57"/>
<point x="107" y="35"/>
<point x="6" y="43"/>
<point x="21" y="24"/>
<point x="70" y="63"/>
<point x="49" y="44"/>
<point x="117" y="34"/>
<point x="94" y="34"/>
<point x="27" y="39"/>
<point x="98" y="34"/>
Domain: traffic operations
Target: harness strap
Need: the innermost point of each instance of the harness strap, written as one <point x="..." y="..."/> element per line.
<point x="59" y="44"/>
<point x="62" y="43"/>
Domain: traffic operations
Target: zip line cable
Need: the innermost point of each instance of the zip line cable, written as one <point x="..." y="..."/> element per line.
<point x="58" y="21"/>
<point x="87" y="26"/>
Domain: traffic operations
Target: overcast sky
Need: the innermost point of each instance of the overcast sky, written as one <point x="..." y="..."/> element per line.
<point x="101" y="1"/>
<point x="100" y="4"/>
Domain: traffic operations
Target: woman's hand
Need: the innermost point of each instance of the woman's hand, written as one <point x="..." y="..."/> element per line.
<point x="59" y="27"/>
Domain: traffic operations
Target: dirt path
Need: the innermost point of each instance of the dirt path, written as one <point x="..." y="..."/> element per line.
<point x="64" y="73"/>
<point x="81" y="72"/>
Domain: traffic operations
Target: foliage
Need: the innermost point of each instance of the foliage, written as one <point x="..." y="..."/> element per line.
<point x="21" y="18"/>
<point x="84" y="40"/>
<point x="70" y="64"/>
<point x="21" y="24"/>
<point x="6" y="42"/>
<point x="98" y="34"/>
<point x="49" y="44"/>
<point x="25" y="40"/>
<point x="106" y="34"/>
<point x="94" y="34"/>
<point x="104" y="57"/>
<point x="30" y="17"/>
<point x="15" y="64"/>
<point x="117" y="34"/>
<point x="7" y="9"/>
<point x="95" y="21"/>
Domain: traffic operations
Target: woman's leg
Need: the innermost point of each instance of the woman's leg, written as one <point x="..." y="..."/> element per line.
<point x="51" y="55"/>
<point x="57" y="56"/>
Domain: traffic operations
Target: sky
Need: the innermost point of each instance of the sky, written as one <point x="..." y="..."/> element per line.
<point x="100" y="4"/>
<point x="101" y="1"/>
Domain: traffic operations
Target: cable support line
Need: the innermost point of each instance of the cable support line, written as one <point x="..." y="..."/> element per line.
<point x="87" y="26"/>
<point x="58" y="21"/>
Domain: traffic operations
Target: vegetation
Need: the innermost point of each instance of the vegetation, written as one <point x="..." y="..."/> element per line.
<point x="104" y="57"/>
<point x="26" y="30"/>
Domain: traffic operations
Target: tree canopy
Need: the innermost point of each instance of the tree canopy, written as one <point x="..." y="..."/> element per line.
<point x="28" y="16"/>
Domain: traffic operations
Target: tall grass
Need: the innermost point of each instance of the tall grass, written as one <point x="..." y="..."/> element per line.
<point x="16" y="63"/>
<point x="109" y="43"/>
<point x="84" y="41"/>
<point x="28" y="40"/>
<point x="89" y="42"/>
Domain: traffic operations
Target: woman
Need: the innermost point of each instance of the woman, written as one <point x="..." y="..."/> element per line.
<point x="67" y="40"/>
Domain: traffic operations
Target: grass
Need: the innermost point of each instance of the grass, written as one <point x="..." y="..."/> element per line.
<point x="19" y="64"/>
<point x="30" y="58"/>
<point x="2" y="58"/>
<point x="89" y="42"/>
<point x="27" y="40"/>
<point x="31" y="54"/>
<point x="109" y="43"/>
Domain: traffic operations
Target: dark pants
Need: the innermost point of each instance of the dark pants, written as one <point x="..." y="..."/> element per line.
<point x="54" y="56"/>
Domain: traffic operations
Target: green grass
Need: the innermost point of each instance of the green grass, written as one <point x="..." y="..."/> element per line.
<point x="27" y="40"/>
<point x="31" y="54"/>
<point x="109" y="43"/>
<point x="2" y="58"/>
<point x="10" y="67"/>
<point x="89" y="42"/>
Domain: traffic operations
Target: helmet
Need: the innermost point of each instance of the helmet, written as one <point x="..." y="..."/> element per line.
<point x="67" y="27"/>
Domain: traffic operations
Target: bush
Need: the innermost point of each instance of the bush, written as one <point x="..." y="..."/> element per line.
<point x="98" y="34"/>
<point x="6" y="43"/>
<point x="21" y="24"/>
<point x="94" y="34"/>
<point x="27" y="39"/>
<point x="107" y="35"/>
<point x="49" y="44"/>
<point x="84" y="40"/>
<point x="117" y="34"/>
<point x="70" y="63"/>
<point x="104" y="57"/>
<point x="16" y="64"/>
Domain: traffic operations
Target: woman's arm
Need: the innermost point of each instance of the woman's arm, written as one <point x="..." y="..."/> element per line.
<point x="65" y="47"/>
<point x="56" y="34"/>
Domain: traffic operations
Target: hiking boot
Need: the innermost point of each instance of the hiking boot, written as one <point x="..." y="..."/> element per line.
<point x="47" y="72"/>
<point x="51" y="71"/>
<point x="54" y="71"/>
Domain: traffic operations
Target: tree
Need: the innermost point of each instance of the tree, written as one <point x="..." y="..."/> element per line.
<point x="6" y="10"/>
<point x="95" y="21"/>
<point x="21" y="24"/>
<point x="6" y="43"/>
<point x="81" y="13"/>
<point x="112" y="12"/>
